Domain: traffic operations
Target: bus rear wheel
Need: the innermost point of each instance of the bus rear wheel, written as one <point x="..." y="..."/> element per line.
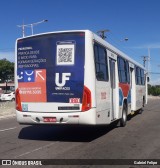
<point x="123" y="120"/>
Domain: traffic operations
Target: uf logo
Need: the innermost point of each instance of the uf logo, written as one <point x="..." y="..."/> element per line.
<point x="65" y="77"/>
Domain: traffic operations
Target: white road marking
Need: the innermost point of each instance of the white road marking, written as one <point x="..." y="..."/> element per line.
<point x="37" y="149"/>
<point x="7" y="129"/>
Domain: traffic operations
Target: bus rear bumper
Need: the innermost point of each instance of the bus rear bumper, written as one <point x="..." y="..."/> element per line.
<point x="83" y="118"/>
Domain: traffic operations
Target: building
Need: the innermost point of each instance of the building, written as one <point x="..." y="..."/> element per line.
<point x="7" y="86"/>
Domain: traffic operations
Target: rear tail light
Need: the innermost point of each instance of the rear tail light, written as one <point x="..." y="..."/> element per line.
<point x="18" y="100"/>
<point x="86" y="102"/>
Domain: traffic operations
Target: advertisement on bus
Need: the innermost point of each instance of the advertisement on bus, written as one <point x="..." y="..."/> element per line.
<point x="50" y="68"/>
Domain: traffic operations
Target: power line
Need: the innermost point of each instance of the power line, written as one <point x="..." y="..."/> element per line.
<point x="135" y="53"/>
<point x="118" y="43"/>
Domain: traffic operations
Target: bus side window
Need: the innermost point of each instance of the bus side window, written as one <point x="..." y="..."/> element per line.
<point x="123" y="70"/>
<point x="128" y="72"/>
<point x="142" y="77"/>
<point x="101" y="66"/>
<point x="138" y="76"/>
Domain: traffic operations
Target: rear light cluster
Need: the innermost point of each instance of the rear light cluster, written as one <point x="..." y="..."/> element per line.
<point x="18" y="100"/>
<point x="86" y="102"/>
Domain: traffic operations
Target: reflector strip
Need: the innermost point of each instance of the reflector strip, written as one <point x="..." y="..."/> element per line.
<point x="18" y="100"/>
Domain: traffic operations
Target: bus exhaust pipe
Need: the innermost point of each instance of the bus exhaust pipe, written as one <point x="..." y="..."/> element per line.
<point x="61" y="119"/>
<point x="37" y="119"/>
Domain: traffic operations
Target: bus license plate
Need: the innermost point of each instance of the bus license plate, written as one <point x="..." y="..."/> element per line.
<point x="49" y="119"/>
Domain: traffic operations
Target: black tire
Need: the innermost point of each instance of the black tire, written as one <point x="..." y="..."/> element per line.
<point x="123" y="120"/>
<point x="143" y="102"/>
<point x="140" y="111"/>
<point x="13" y="99"/>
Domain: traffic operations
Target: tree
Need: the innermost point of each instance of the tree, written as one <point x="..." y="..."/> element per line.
<point x="154" y="90"/>
<point x="6" y="70"/>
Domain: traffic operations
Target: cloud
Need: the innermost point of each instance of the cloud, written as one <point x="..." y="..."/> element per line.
<point x="9" y="55"/>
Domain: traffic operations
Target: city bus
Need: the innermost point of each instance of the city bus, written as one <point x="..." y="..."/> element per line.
<point x="75" y="77"/>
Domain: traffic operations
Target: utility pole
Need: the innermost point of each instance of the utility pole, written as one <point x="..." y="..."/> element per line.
<point x="101" y="33"/>
<point x="145" y="58"/>
<point x="31" y="26"/>
<point x="149" y="63"/>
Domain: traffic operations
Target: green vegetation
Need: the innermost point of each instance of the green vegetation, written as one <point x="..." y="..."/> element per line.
<point x="154" y="90"/>
<point x="6" y="70"/>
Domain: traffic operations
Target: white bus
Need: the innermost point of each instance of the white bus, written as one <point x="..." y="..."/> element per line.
<point x="75" y="77"/>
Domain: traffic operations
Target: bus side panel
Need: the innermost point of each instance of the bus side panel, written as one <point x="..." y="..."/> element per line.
<point x="125" y="93"/>
<point x="146" y="90"/>
<point x="103" y="102"/>
<point x="140" y="94"/>
<point x="102" y="83"/>
<point x="139" y="88"/>
<point x="133" y="91"/>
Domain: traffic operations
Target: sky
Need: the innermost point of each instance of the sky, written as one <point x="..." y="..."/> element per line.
<point x="137" y="20"/>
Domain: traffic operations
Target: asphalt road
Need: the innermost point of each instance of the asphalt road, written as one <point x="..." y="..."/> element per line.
<point x="140" y="139"/>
